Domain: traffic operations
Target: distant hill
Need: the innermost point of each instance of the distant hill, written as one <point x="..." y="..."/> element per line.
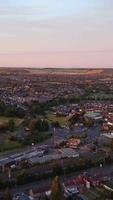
<point x="70" y="71"/>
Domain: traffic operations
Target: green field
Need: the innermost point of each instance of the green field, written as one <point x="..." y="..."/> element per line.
<point x="52" y="118"/>
<point x="9" y="145"/>
<point x="17" y="121"/>
<point x="5" y="143"/>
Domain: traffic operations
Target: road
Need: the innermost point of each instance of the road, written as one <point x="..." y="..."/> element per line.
<point x="60" y="133"/>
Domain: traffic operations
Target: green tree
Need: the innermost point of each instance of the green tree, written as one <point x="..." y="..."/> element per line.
<point x="7" y="195"/>
<point x="32" y="126"/>
<point x="56" y="189"/>
<point x="57" y="168"/>
<point x="88" y="122"/>
<point x="55" y="124"/>
<point x="40" y="125"/>
<point x="11" y="124"/>
<point x="22" y="176"/>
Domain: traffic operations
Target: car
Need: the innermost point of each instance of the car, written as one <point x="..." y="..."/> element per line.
<point x="13" y="166"/>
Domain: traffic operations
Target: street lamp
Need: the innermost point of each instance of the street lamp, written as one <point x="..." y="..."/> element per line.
<point x="101" y="165"/>
<point x="54" y="130"/>
<point x="33" y="145"/>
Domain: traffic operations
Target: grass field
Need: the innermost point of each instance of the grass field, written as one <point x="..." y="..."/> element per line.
<point x="52" y="118"/>
<point x="17" y="121"/>
<point x="9" y="145"/>
<point x="5" y="143"/>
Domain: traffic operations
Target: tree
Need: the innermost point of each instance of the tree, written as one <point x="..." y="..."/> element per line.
<point x="55" y="124"/>
<point x="32" y="126"/>
<point x="111" y="144"/>
<point x="56" y="189"/>
<point x="7" y="195"/>
<point x="71" y="128"/>
<point x="40" y="125"/>
<point x="57" y="168"/>
<point x="11" y="125"/>
<point x="88" y="122"/>
<point x="22" y="176"/>
<point x="26" y="121"/>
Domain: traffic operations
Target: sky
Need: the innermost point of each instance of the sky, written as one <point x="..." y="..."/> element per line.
<point x="56" y="33"/>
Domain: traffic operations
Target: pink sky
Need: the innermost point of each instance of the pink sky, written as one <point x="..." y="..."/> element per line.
<point x="58" y="60"/>
<point x="55" y="33"/>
